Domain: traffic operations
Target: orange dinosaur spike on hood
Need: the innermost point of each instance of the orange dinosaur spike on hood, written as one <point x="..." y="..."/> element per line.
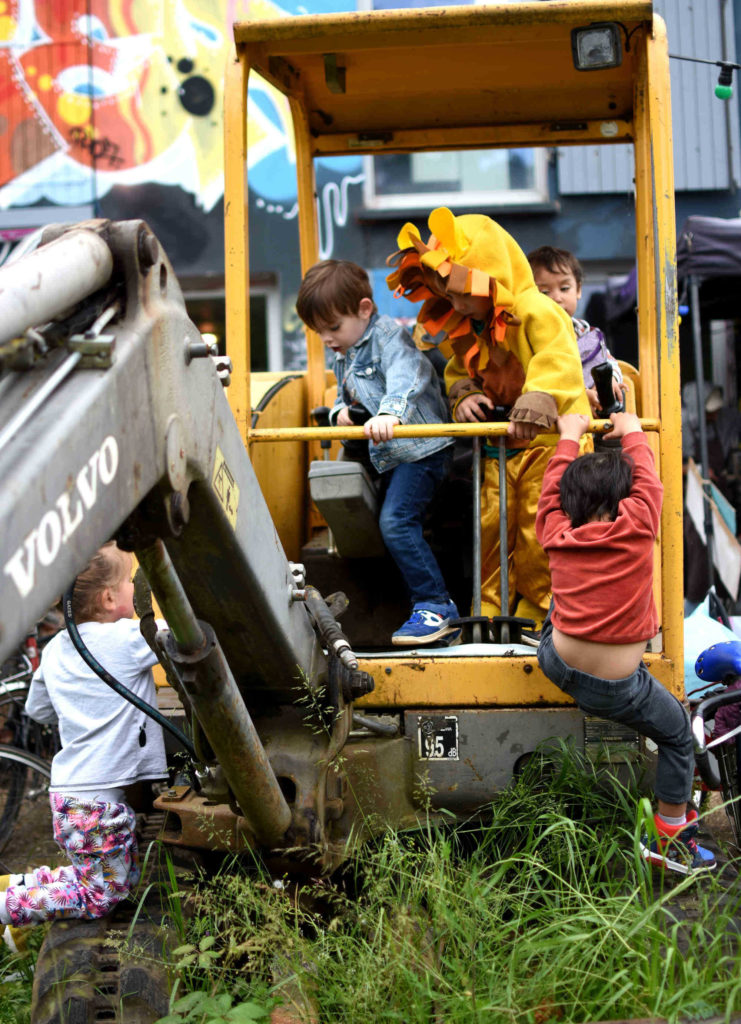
<point x="472" y="254"/>
<point x="472" y="241"/>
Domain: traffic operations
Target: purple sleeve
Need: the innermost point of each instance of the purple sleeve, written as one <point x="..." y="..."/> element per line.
<point x="729" y="717"/>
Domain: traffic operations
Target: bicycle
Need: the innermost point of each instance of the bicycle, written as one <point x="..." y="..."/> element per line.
<point x="26" y="747"/>
<point x="718" y="750"/>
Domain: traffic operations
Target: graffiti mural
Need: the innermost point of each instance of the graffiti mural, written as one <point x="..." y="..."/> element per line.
<point x="99" y="93"/>
<point x="104" y="92"/>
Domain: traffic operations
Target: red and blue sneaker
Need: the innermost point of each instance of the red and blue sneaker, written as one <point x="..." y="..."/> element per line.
<point x="676" y="848"/>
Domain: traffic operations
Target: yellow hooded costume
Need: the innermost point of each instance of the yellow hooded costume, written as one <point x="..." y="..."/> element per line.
<point x="523" y="357"/>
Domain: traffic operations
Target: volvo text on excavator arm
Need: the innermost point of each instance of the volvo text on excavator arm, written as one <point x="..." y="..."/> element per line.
<point x="114" y="422"/>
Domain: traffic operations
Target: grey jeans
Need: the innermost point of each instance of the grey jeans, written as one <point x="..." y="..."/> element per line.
<point x="638" y="701"/>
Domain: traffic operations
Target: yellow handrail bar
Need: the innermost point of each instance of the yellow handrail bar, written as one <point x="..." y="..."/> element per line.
<point x="416" y="430"/>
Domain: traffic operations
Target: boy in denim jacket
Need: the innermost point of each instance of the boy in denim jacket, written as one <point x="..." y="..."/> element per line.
<point x="379" y="369"/>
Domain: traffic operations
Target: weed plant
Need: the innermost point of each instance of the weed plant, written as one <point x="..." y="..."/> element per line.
<point x="16" y="981"/>
<point x="15" y="992"/>
<point x="541" y="910"/>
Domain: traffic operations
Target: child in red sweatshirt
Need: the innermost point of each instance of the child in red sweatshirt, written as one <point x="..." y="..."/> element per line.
<point x="598" y="517"/>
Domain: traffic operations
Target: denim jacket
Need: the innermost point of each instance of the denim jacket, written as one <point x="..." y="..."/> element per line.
<point x="386" y="373"/>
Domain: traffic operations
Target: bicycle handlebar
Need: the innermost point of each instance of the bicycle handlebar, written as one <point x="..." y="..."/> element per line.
<point x="704" y="711"/>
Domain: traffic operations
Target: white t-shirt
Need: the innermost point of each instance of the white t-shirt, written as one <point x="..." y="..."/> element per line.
<point x="100" y="731"/>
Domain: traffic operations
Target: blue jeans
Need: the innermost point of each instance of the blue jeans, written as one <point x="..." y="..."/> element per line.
<point x="638" y="701"/>
<point x="410" y="489"/>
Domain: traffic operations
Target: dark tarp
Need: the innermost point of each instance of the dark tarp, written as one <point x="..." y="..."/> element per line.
<point x="709" y="247"/>
<point x="708" y="256"/>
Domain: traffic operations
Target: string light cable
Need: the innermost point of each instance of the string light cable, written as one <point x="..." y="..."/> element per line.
<point x="724" y="86"/>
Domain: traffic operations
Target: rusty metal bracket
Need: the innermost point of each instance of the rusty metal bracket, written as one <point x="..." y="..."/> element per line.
<point x="334" y="73"/>
<point x="97" y="353"/>
<point x="97" y="349"/>
<point x="193" y="820"/>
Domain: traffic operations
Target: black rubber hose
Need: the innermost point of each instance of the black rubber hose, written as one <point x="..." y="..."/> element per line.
<point x="109" y="680"/>
<point x="373" y="725"/>
<point x="329" y="629"/>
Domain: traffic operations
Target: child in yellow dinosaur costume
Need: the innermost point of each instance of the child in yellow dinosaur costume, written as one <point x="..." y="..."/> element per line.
<point x="513" y="356"/>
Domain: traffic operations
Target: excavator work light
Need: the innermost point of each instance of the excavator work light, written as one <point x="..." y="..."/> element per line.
<point x="597" y="46"/>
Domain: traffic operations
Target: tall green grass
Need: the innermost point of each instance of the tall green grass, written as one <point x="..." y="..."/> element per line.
<point x="16" y="981"/>
<point x="542" y="912"/>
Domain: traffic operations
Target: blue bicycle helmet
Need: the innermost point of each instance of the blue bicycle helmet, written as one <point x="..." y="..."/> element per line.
<point x="719" y="661"/>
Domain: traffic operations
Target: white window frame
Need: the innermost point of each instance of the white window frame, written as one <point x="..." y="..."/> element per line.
<point x="273" y="320"/>
<point x="273" y="323"/>
<point x="536" y="196"/>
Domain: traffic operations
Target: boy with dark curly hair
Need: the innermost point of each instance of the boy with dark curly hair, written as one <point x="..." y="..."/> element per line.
<point x="598" y="518"/>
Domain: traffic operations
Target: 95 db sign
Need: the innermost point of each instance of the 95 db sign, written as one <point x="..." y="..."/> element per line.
<point x="437" y="737"/>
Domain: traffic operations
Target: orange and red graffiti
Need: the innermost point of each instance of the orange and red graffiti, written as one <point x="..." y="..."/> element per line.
<point x="111" y="85"/>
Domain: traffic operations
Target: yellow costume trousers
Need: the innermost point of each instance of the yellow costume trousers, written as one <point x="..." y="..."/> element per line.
<point x="529" y="576"/>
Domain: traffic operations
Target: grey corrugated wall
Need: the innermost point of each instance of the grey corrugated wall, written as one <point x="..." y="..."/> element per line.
<point x="706" y="129"/>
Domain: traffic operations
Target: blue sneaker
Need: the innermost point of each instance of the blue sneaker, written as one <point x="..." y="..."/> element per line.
<point x="427" y="623"/>
<point x="676" y="848"/>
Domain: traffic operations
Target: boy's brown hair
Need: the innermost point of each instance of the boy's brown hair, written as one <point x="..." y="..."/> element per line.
<point x="332" y="288"/>
<point x="556" y="261"/>
<point x="107" y="568"/>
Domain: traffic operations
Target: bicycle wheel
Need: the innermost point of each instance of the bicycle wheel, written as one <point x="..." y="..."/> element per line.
<point x="24" y="779"/>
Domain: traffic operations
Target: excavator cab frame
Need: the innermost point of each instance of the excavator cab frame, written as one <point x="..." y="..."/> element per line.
<point x="408" y="80"/>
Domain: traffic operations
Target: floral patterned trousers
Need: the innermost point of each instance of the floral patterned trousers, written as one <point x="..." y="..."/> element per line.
<point x="100" y="841"/>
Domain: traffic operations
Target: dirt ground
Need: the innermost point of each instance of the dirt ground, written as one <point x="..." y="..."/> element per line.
<point x="715" y="820"/>
<point x="31" y="844"/>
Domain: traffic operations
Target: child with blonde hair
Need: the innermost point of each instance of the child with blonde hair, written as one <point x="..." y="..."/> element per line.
<point x="107" y="745"/>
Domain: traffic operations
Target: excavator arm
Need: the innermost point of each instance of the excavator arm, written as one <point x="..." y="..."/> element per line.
<point x="113" y="421"/>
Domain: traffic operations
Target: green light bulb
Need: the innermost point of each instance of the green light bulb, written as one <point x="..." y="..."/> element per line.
<point x="724" y="92"/>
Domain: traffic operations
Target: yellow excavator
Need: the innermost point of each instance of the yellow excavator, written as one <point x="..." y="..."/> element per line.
<point x="307" y="736"/>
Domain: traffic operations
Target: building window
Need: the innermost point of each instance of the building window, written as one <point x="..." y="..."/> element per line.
<point x="207" y="311"/>
<point x="480" y="177"/>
